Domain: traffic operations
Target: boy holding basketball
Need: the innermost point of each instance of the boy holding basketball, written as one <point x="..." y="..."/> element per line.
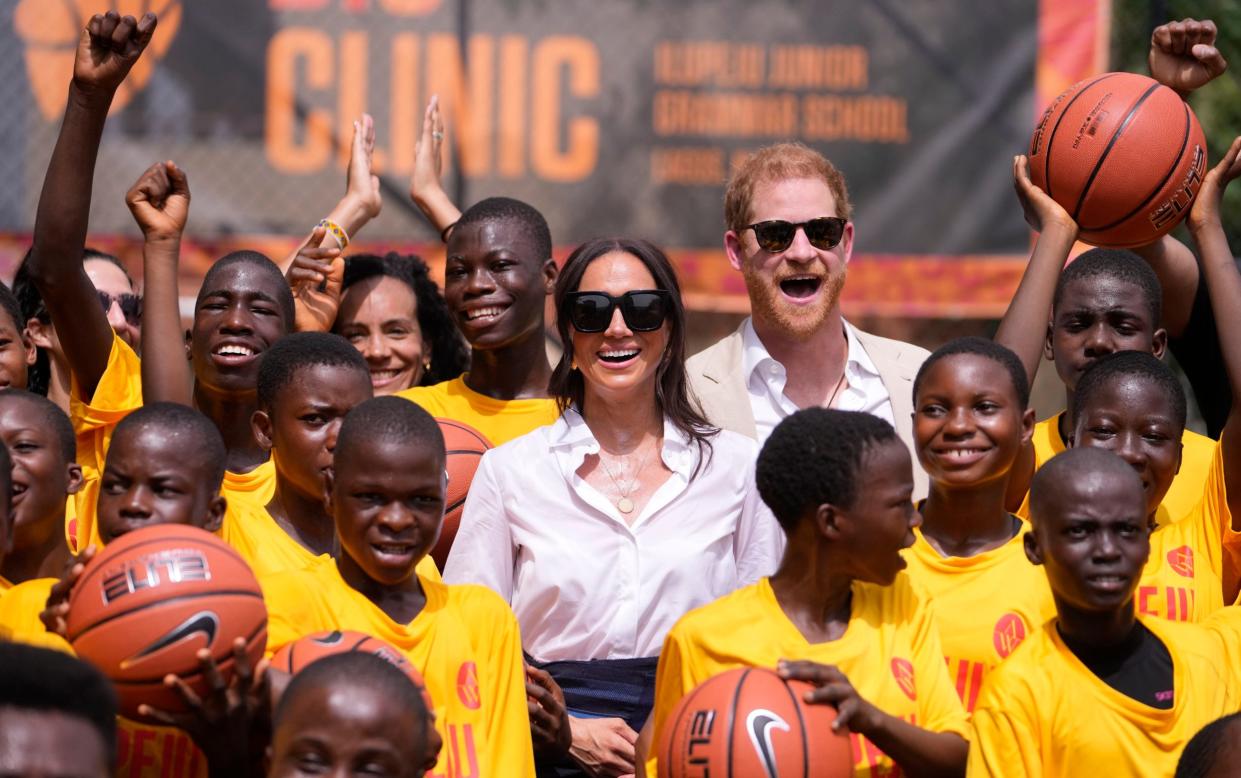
<point x="1100" y="690"/>
<point x="838" y="613"/>
<point x="386" y="493"/>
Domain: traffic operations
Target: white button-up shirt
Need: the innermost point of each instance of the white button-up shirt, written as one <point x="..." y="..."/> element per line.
<point x="765" y="378"/>
<point x="583" y="583"/>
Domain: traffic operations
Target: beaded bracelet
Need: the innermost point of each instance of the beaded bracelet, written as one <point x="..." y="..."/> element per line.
<point x="336" y="231"/>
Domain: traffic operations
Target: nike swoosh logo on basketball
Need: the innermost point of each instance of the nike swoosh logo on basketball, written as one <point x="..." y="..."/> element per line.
<point x="759" y="725"/>
<point x="205" y="622"/>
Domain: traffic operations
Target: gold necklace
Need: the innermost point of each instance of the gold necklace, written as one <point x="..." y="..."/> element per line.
<point x="624" y="504"/>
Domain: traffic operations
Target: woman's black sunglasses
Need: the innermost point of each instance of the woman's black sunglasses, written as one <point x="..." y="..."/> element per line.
<point x="644" y="310"/>
<point x="824" y="233"/>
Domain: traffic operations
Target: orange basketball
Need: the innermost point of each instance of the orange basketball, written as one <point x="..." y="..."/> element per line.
<point x="465" y="447"/>
<point x="293" y="657"/>
<point x="1123" y="154"/>
<point x="750" y="723"/>
<point x="151" y="600"/>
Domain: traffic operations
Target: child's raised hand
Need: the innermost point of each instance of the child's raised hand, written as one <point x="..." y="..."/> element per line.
<point x="1183" y="55"/>
<point x="1040" y="210"/>
<point x="428" y="154"/>
<point x="55" y="614"/>
<point x="160" y="201"/>
<point x="362" y="185"/>
<point x="1206" y="208"/>
<point x="109" y="46"/>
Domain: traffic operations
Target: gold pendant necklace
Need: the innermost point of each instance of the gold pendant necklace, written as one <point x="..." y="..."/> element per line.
<point x="624" y="504"/>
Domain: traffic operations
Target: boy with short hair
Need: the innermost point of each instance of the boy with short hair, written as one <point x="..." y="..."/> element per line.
<point x="386" y="493"/>
<point x="1100" y="690"/>
<point x="497" y="276"/>
<point x="57" y="715"/>
<point x="348" y="707"/>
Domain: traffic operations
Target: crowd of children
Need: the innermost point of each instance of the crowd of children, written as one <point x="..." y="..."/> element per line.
<point x="973" y="591"/>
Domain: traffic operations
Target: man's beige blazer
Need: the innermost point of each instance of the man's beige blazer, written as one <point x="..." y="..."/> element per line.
<point x="718" y="380"/>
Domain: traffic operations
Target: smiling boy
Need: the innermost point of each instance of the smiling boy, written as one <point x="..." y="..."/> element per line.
<point x="386" y="493"/>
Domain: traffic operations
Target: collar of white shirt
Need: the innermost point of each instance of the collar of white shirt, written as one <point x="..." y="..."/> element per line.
<point x="570" y="434"/>
<point x="755" y="357"/>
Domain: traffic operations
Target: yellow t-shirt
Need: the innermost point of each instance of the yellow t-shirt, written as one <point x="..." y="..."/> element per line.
<point x="465" y="643"/>
<point x="890" y="652"/>
<point x="499" y="421"/>
<point x="1191" y="558"/>
<point x="1043" y="712"/>
<point x="985" y="606"/>
<point x="143" y="750"/>
<point x="118" y="393"/>
<point x="1186" y="489"/>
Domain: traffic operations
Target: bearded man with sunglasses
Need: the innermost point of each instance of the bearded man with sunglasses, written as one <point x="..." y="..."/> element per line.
<point x="790" y="236"/>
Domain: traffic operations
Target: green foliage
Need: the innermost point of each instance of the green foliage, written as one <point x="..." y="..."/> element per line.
<point x="1218" y="104"/>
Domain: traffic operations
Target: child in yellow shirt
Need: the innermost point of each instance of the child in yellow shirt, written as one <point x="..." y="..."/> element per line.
<point x="1100" y="690"/>
<point x="386" y="493"/>
<point x="971" y="418"/>
<point x="839" y="612"/>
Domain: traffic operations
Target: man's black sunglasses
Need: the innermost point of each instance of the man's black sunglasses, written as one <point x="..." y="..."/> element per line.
<point x="644" y="310"/>
<point x="824" y="233"/>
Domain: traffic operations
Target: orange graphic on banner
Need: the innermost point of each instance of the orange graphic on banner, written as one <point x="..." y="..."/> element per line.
<point x="51" y="31"/>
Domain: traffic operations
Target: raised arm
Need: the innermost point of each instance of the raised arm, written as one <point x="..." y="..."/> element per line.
<point x="1182" y="57"/>
<point x="425" y="187"/>
<point x="160" y="203"/>
<point x="316" y="270"/>
<point x="1224" y="286"/>
<point x="1024" y="326"/>
<point x="108" y="47"/>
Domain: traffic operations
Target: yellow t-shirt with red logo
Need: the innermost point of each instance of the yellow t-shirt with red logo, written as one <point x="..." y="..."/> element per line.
<point x="1190" y="558"/>
<point x="465" y="643"/>
<point x="1197" y="451"/>
<point x="1044" y="713"/>
<point x="890" y="652"/>
<point x="985" y="606"/>
<point x="499" y="421"/>
<point x="143" y="750"/>
<point x="119" y="393"/>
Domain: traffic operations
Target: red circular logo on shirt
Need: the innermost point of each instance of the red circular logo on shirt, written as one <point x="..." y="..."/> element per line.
<point x="903" y="672"/>
<point x="1182" y="561"/>
<point x="1010" y="630"/>
<point x="467" y="686"/>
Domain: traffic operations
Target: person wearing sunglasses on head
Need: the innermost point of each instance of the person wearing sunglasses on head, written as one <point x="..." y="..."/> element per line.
<point x="790" y="235"/>
<point x="122" y="305"/>
<point x="604" y="528"/>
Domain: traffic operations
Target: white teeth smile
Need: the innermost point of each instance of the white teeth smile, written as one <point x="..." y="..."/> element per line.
<point x="389" y="548"/>
<point x="619" y="354"/>
<point x="384" y="374"/>
<point x="479" y="313"/>
<point x="231" y="350"/>
<point x="961" y="453"/>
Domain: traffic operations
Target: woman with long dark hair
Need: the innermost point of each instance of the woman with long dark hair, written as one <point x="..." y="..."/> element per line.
<point x="602" y="529"/>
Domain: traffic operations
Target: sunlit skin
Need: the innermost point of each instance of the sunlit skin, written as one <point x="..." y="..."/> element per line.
<point x="387" y="498"/>
<point x="379" y="316"/>
<point x="301" y="432"/>
<point x="495" y="285"/>
<point x="344" y="729"/>
<point x="17" y="353"/>
<point x="1092" y="539"/>
<point x="795" y="290"/>
<point x="1134" y="419"/>
<point x="41" y="479"/>
<point x="235" y="321"/>
<point x="880" y="523"/>
<point x="618" y="362"/>
<point x="1096" y="317"/>
<point x="107" y="277"/>
<point x="154" y="477"/>
<point x="49" y="744"/>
